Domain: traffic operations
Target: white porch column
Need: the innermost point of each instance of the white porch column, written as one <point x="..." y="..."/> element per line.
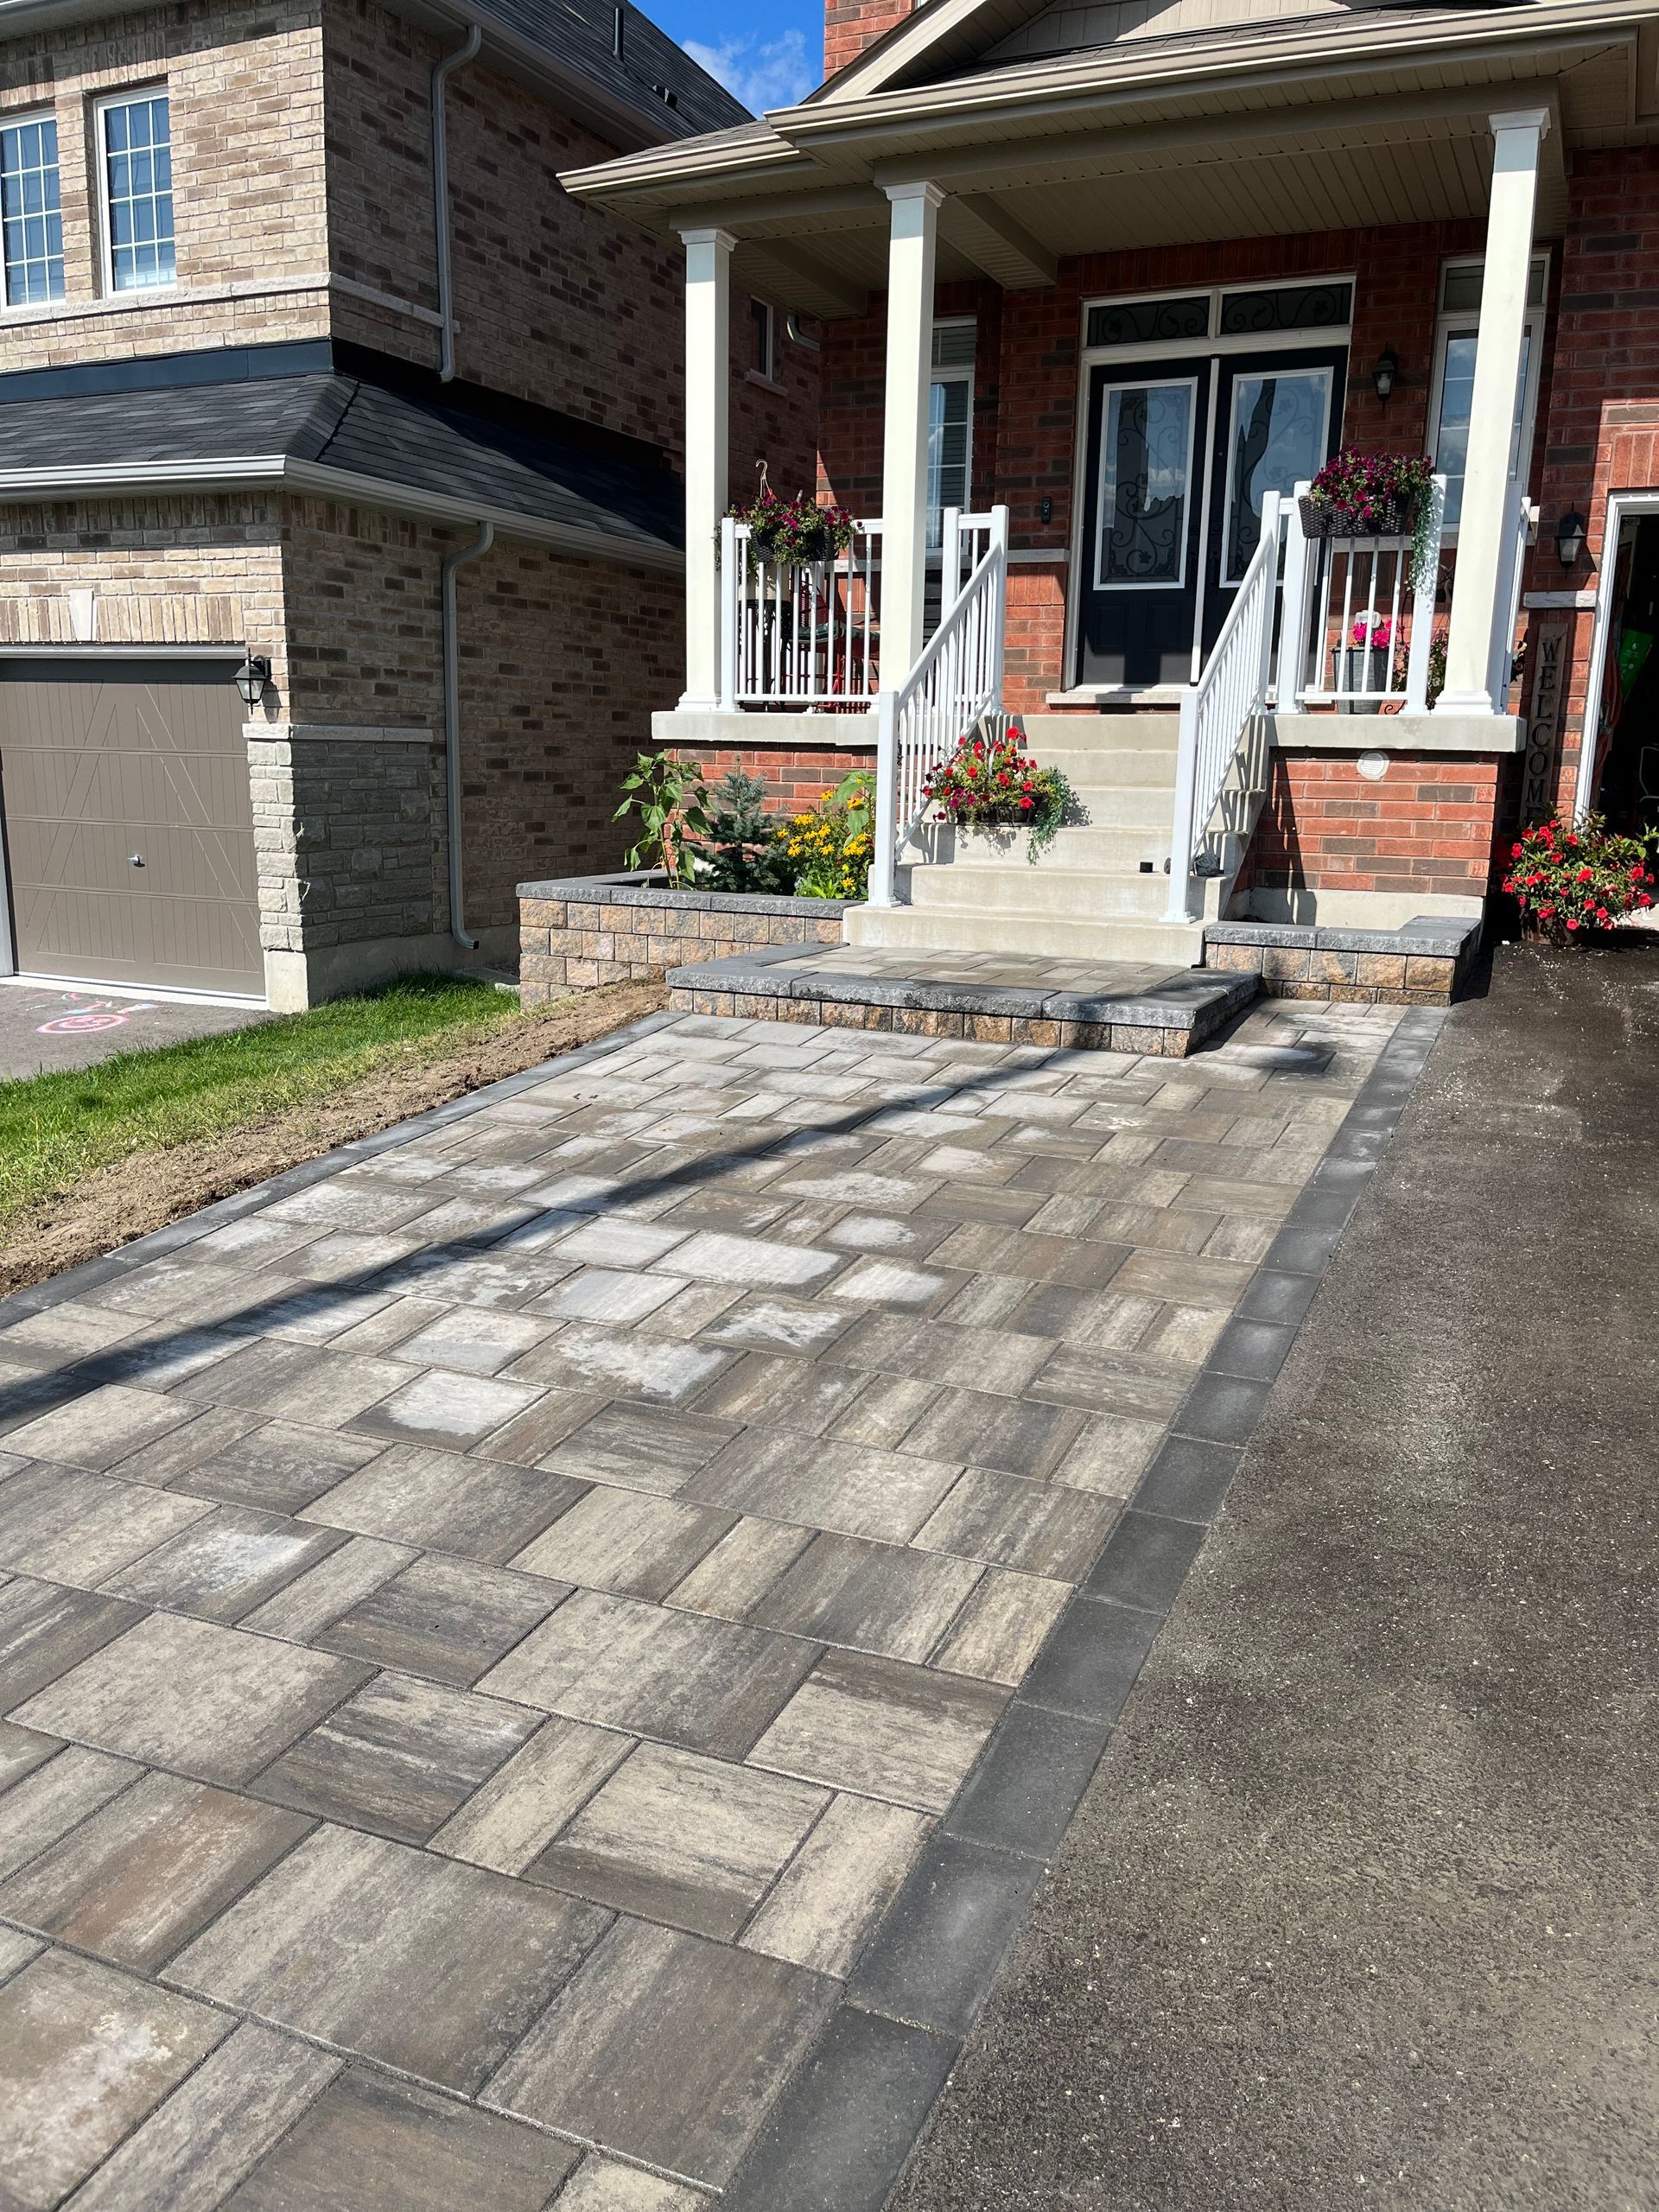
<point x="910" y="250"/>
<point x="1491" y="425"/>
<point x="708" y="413"/>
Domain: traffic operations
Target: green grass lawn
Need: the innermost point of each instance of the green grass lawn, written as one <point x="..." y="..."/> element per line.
<point x="58" y="1127"/>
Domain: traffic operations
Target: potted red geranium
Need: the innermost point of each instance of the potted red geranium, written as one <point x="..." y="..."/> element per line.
<point x="1571" y="881"/>
<point x="989" y="782"/>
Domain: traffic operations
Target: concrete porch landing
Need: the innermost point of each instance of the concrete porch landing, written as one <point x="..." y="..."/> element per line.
<point x="996" y="998"/>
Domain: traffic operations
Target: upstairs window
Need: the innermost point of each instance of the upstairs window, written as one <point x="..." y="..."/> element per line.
<point x="138" y="191"/>
<point x="31" y="226"/>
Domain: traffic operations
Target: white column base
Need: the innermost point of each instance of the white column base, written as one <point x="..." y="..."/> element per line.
<point x="1465" y="702"/>
<point x="698" y="702"/>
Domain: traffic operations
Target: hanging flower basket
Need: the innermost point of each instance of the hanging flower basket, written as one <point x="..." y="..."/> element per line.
<point x="795" y="533"/>
<point x="1381" y="518"/>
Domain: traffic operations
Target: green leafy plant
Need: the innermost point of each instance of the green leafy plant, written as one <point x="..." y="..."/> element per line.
<point x="1436" y="666"/>
<point x="797" y="531"/>
<point x="669" y="797"/>
<point x="828" y="847"/>
<point x="1571" y="879"/>
<point x="993" y="783"/>
<point x="743" y="851"/>
<point x="1375" y="495"/>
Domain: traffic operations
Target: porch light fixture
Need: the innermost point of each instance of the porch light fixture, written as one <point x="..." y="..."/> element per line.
<point x="1569" y="538"/>
<point x="253" y="679"/>
<point x="1385" y="373"/>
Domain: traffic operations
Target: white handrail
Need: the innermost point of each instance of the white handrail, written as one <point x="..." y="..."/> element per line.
<point x="1216" y="710"/>
<point x="957" y="678"/>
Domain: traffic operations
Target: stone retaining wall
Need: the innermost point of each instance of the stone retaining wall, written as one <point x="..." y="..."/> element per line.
<point x="590" y="930"/>
<point x="1421" y="964"/>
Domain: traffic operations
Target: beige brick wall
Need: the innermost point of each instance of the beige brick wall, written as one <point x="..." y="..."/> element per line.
<point x="244" y="88"/>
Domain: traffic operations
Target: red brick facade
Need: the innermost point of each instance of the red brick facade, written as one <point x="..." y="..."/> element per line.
<point x="794" y="778"/>
<point x="1423" y="827"/>
<point x="851" y="25"/>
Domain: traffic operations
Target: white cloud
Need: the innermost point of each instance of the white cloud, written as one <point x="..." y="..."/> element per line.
<point x="762" y="73"/>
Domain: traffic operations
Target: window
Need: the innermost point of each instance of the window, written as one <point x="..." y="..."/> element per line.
<point x="1181" y="320"/>
<point x="31" y="227"/>
<point x="1454" y="373"/>
<point x="763" y="326"/>
<point x="1276" y="437"/>
<point x="136" y="189"/>
<point x="950" y="424"/>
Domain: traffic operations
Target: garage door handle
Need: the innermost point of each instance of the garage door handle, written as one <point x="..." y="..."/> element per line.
<point x="135" y="860"/>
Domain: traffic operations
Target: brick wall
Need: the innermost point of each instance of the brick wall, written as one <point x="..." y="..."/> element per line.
<point x="244" y="87"/>
<point x="851" y="25"/>
<point x="1426" y="827"/>
<point x="1601" y="418"/>
<point x="795" y="778"/>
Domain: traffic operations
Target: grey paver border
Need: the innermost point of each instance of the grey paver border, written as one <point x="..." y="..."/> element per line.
<point x="837" y="2136"/>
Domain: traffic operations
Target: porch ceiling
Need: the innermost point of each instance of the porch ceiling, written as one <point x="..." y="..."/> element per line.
<point x="1037" y="165"/>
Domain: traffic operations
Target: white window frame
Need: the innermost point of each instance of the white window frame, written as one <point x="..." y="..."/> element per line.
<point x="1241" y="341"/>
<point x="21" y="122"/>
<point x="1225" y="581"/>
<point x="1448" y="324"/>
<point x="962" y="372"/>
<point x="767" y="375"/>
<point x="1621" y="507"/>
<point x="1178" y="582"/>
<point x="129" y="96"/>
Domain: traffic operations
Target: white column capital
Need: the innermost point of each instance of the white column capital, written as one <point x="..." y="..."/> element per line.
<point x="916" y="189"/>
<point x="1522" y="119"/>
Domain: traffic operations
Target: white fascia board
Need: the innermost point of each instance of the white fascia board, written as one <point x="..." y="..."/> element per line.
<point x="1213" y="64"/>
<point x="280" y="473"/>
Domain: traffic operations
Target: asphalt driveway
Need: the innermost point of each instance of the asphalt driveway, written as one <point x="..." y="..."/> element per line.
<point x="1361" y="1906"/>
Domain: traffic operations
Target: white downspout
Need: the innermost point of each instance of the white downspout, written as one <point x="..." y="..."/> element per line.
<point x="453" y="562"/>
<point x="464" y="53"/>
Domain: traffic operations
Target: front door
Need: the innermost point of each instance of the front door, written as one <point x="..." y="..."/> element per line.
<point x="1180" y="454"/>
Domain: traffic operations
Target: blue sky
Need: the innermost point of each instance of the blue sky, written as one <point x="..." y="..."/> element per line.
<point x="768" y="52"/>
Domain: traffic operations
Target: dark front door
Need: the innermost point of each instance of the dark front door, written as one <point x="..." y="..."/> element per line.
<point x="1141" y="522"/>
<point x="1173" y="507"/>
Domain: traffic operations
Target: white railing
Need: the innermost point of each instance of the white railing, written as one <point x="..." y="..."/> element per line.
<point x="957" y="679"/>
<point x="1359" y="628"/>
<point x="802" y="634"/>
<point x="1218" y="710"/>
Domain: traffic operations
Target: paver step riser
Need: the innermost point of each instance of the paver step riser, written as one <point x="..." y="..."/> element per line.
<point x="1048" y="936"/>
<point x="1094" y="895"/>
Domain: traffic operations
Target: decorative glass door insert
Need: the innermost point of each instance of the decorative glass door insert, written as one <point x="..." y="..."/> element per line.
<point x="1278" y="436"/>
<point x="1144" y="503"/>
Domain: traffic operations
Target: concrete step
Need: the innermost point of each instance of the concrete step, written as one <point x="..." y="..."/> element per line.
<point x="1047" y="734"/>
<point x="1126" y="806"/>
<point x="1119" y="768"/>
<point x="1118" y="850"/>
<point x="1054" y="936"/>
<point x="1015" y="888"/>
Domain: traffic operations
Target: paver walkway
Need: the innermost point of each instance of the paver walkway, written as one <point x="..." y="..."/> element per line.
<point x="485" y="1636"/>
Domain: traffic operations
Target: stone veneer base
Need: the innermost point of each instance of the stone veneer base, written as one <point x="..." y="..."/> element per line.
<point x="583" y="930"/>
<point x="1422" y="964"/>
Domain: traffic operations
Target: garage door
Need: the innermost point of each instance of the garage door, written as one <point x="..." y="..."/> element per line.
<point x="129" y="827"/>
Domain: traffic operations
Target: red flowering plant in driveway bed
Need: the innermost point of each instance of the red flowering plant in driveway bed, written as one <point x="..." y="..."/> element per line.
<point x="1571" y="879"/>
<point x="992" y="783"/>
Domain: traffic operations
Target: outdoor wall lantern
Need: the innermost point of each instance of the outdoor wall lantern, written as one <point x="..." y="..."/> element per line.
<point x="253" y="677"/>
<point x="1385" y="373"/>
<point x="1569" y="538"/>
